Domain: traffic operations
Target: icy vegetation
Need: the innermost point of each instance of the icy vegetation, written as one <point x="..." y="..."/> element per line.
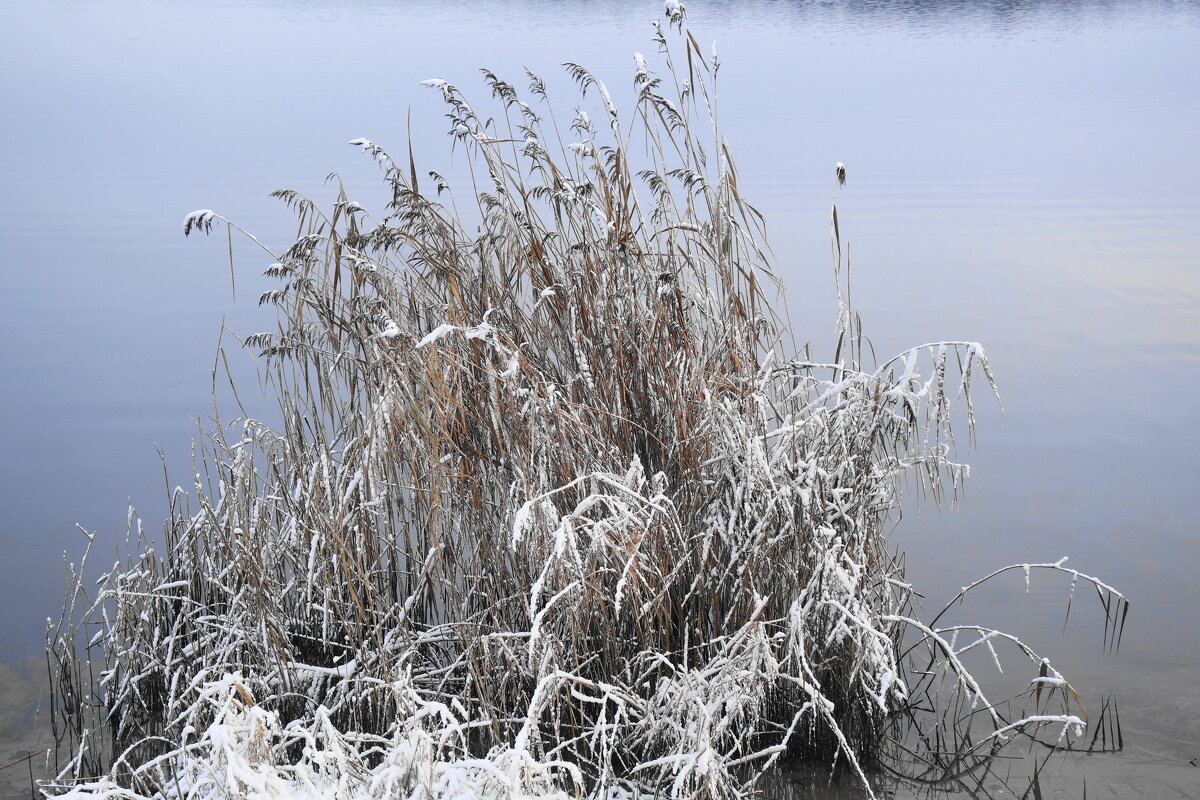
<point x="557" y="509"/>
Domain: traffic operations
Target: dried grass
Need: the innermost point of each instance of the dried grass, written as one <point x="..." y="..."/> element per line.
<point x="557" y="507"/>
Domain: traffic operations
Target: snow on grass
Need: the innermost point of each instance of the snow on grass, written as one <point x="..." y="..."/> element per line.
<point x="557" y="507"/>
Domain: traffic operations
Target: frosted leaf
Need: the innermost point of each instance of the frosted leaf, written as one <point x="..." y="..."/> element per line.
<point x="201" y="220"/>
<point x="391" y="329"/>
<point x="437" y="333"/>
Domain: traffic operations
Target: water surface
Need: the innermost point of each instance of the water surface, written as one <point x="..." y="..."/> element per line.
<point x="1023" y="174"/>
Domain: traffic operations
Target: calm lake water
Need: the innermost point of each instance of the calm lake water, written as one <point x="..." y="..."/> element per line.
<point x="1022" y="174"/>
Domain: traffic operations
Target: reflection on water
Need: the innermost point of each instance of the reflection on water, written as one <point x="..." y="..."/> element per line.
<point x="22" y="734"/>
<point x="1024" y="174"/>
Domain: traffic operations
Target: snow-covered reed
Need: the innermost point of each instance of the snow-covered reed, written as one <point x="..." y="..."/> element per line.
<point x="557" y="507"/>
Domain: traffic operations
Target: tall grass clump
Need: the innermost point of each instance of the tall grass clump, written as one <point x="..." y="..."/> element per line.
<point x="556" y="507"/>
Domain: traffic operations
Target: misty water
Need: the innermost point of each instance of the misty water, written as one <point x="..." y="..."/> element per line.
<point x="1022" y="174"/>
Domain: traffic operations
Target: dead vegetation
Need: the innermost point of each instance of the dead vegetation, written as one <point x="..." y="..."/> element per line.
<point x="557" y="505"/>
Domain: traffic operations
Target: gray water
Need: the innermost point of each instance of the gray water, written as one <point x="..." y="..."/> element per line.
<point x="1022" y="174"/>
